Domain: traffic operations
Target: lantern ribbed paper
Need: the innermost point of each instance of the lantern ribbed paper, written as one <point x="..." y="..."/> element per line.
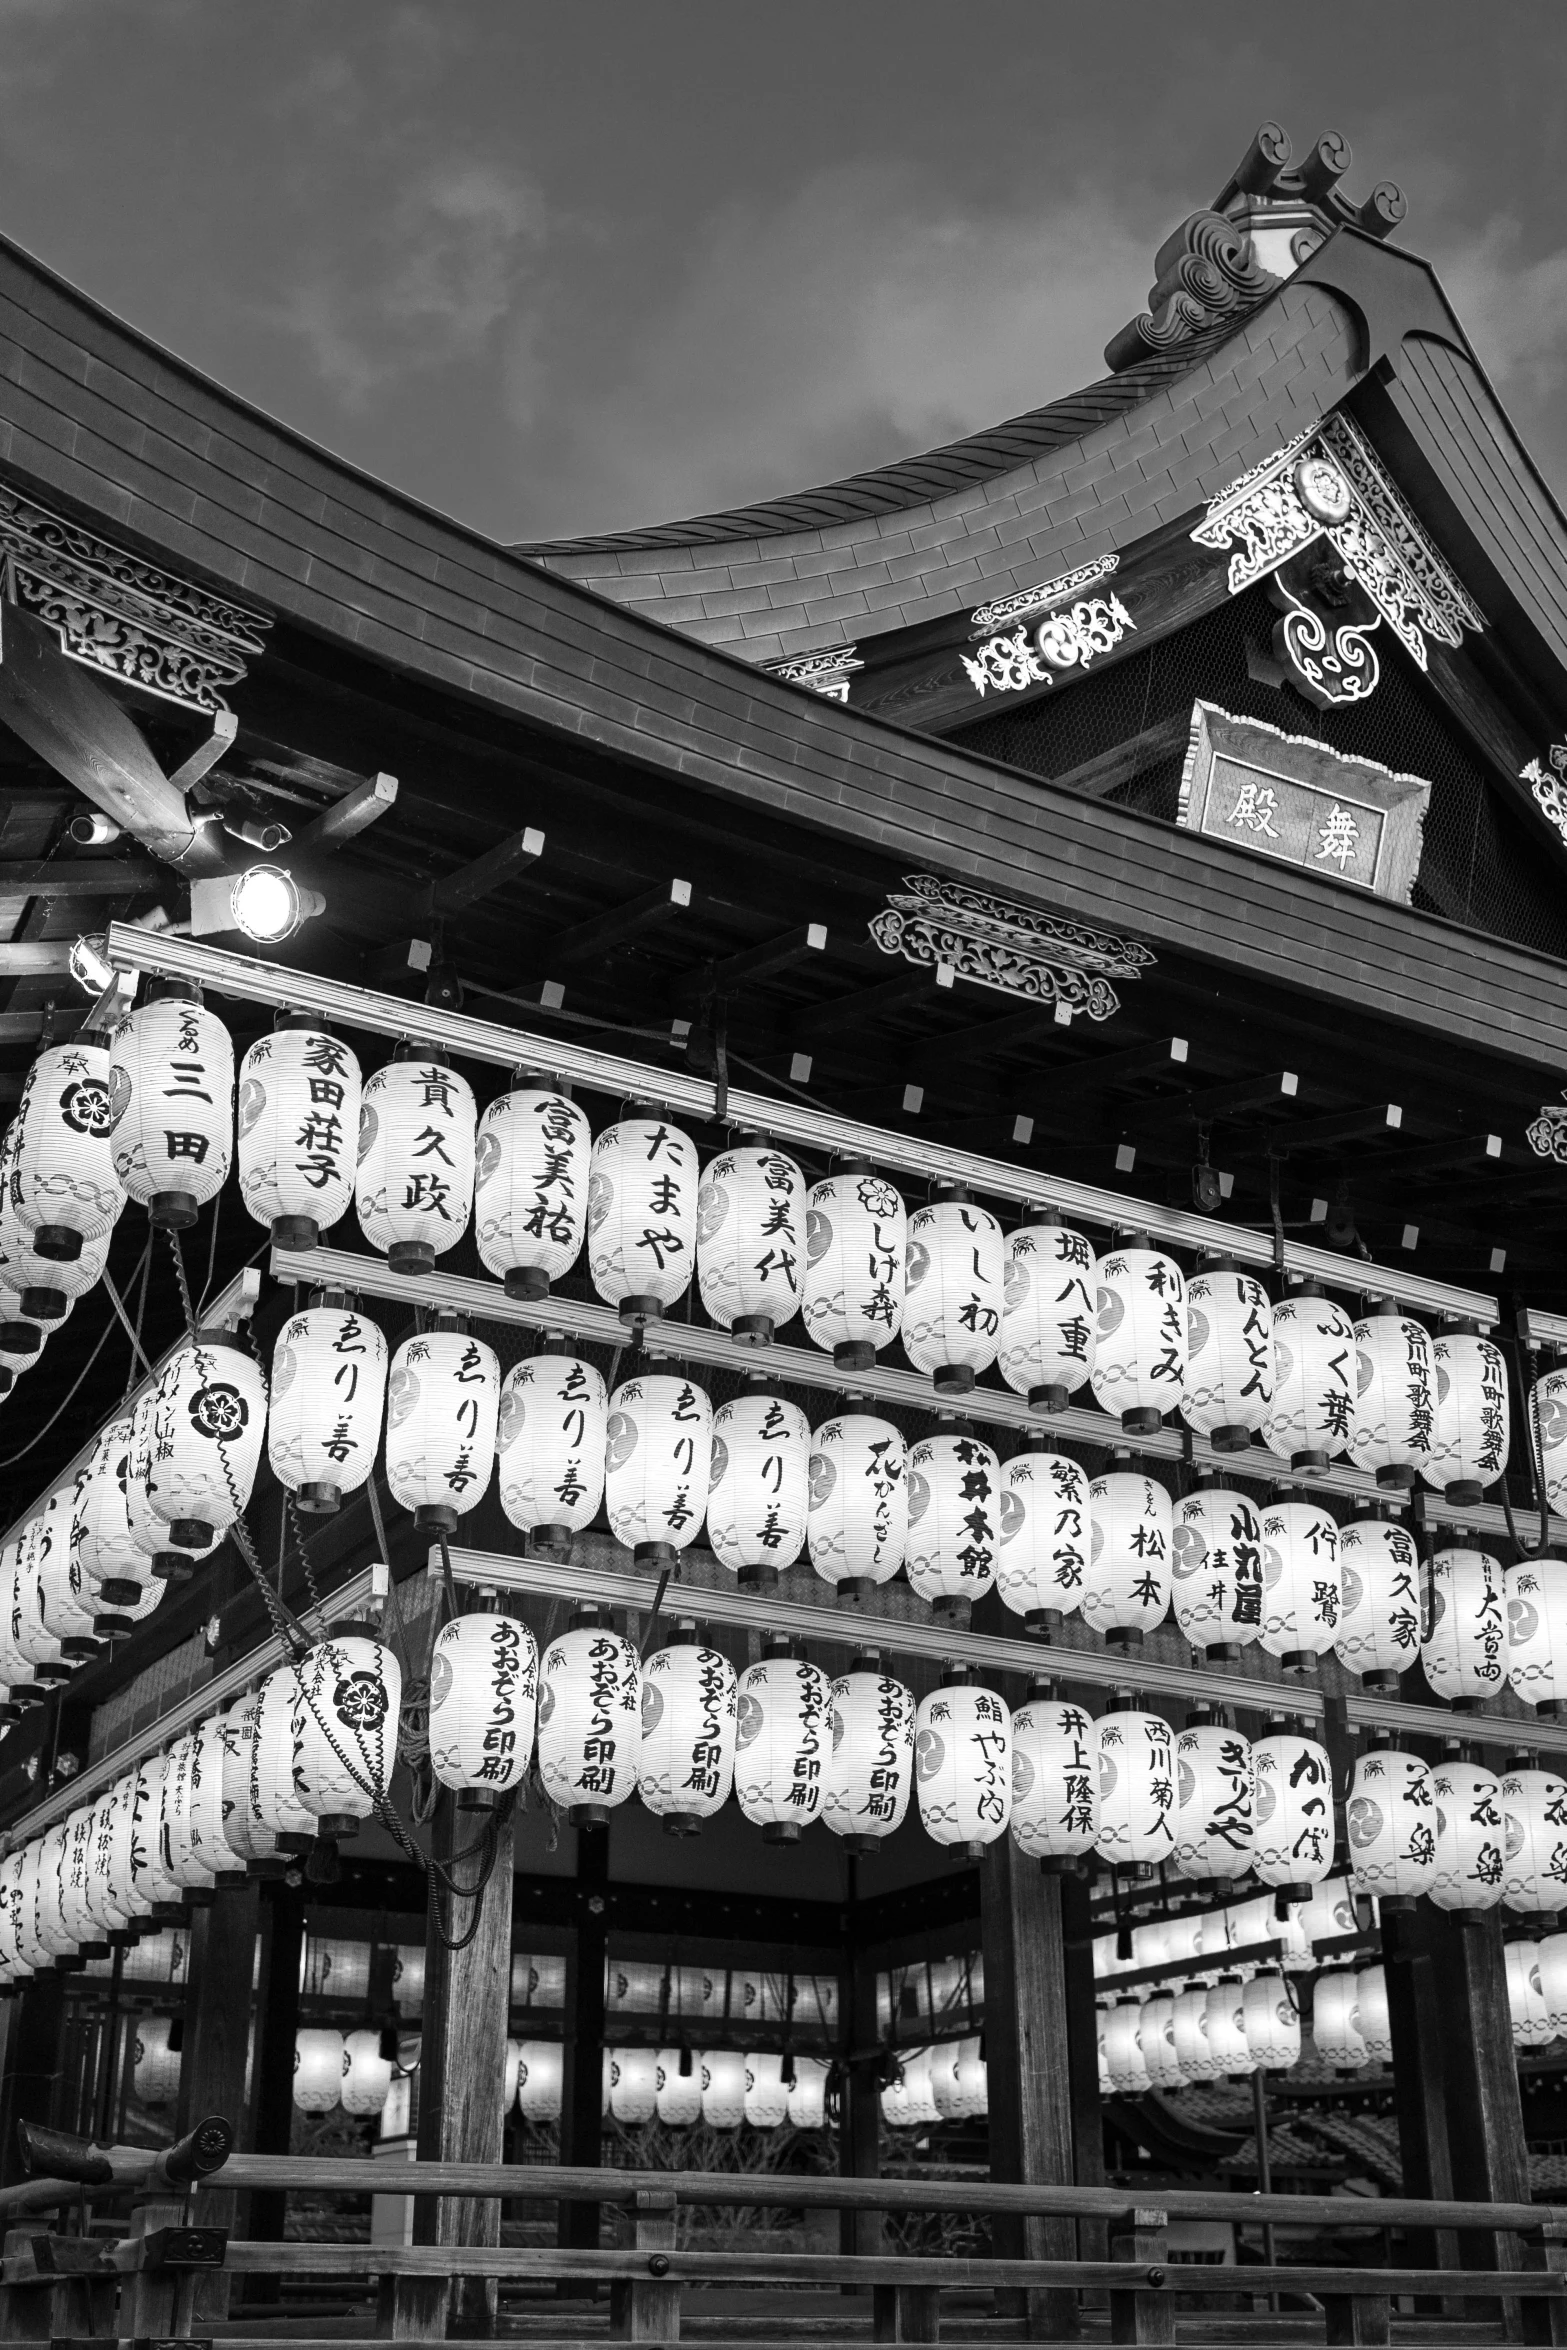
<point x="856" y="1243"/>
<point x="1535" y="1594"/>
<point x="642" y="1216"/>
<point x="1225" y="2015"/>
<point x="1046" y="1534"/>
<point x="685" y="1766"/>
<point x="1371" y="2014"/>
<point x="1129" y="2074"/>
<point x="443" y="1399"/>
<point x="870" y="1772"/>
<point x="550" y="1438"/>
<point x="723" y="2088"/>
<point x="1335" y="2020"/>
<point x="530" y="1188"/>
<point x="1189" y="2035"/>
<point x="188" y="1864"/>
<point x="171" y="1100"/>
<point x="954" y="1519"/>
<point x="151" y="1879"/>
<point x="1533" y="2025"/>
<point x="205" y="1812"/>
<point x="413" y="1186"/>
<point x="1055" y="1780"/>
<point x="155" y="2066"/>
<point x="953" y="1292"/>
<point x="1216" y="1569"/>
<point x="1534" y="1869"/>
<point x="1464" y="1651"/>
<point x="44" y="1289"/>
<point x="1136" y="1788"/>
<point x="1393" y="1426"/>
<point x="484" y="1694"/>
<point x="275" y="1802"/>
<point x="324" y="1413"/>
<point x="679" y="2095"/>
<point x="1301" y="1591"/>
<point x="1470" y="1834"/>
<point x="61" y="1184"/>
<point x="1047" y="1320"/>
<point x="658" y="1463"/>
<point x="1390" y="1818"/>
<point x="963" y="1766"/>
<point x="207" y="1429"/>
<point x="858" y="1526"/>
<point x="750" y="1244"/>
<point x="151" y="1434"/>
<point x="1548" y="1436"/>
<point x="808" y="2097"/>
<point x="539" y="2079"/>
<point x="1293" y="1848"/>
<point x="1553" y="1980"/>
<point x="766" y="2096"/>
<point x="1140" y="1337"/>
<point x="783" y="1727"/>
<point x="1271" y="2021"/>
<point x="1308" y="1420"/>
<point x="633" y="2084"/>
<point x="1156" y="2039"/>
<point x="345" y="1728"/>
<point x="243" y="1831"/>
<point x="1230" y="1364"/>
<point x="298" y="1139"/>
<point x="1379" y="1622"/>
<point x="367" y="2074"/>
<point x="1470" y="1443"/>
<point x="1215" y="1824"/>
<point x="1126" y="1591"/>
<point x="590" y="1709"/>
<point x="759" y="1505"/>
<point x="101" y="1536"/>
<point x="318" y="2070"/>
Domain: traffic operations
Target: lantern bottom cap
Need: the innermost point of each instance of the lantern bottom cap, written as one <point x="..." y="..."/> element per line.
<point x="1314" y="1459"/>
<point x="530" y="1283"/>
<point x="228" y="1880"/>
<point x="318" y="1500"/>
<point x="549" y="1542"/>
<point x="199" y="1896"/>
<point x="1141" y="1420"/>
<point x="781" y="1832"/>
<point x="78" y="1648"/>
<point x="292" y="1844"/>
<point x="1223" y="1652"/>
<point x="953" y="1378"/>
<point x="173" y="1566"/>
<point x="1125" y="1636"/>
<point x="682" y="1823"/>
<point x="1136" y="1872"/>
<point x="1396" y="1477"/>
<point x="61" y="1244"/>
<point x="172" y="1211"/>
<point x="854" y="1354"/>
<point x="51" y="1673"/>
<point x="437" y="1517"/>
<point x="852" y="1590"/>
<point x="44" y="1305"/>
<point x="952" y="1608"/>
<point x="337" y="1826"/>
<point x="294" y="1234"/>
<point x="70" y="1965"/>
<point x="20" y="1338"/>
<point x="759" y="1575"/>
<point x="190" y="1533"/>
<point x="1299" y="1660"/>
<point x="266" y="1865"/>
<point x="92" y="1950"/>
<point x="119" y="1591"/>
<point x="752" y="1330"/>
<point x="1060" y="1864"/>
<point x="971" y="1849"/>
<point x="1376" y="1679"/>
<point x="1052" y="1397"/>
<point x="412" y="1258"/>
<point x="1231" y="1437"/>
<point x="1044" y="1622"/>
<point x="588" y="1815"/>
<point x="1550" y="1709"/>
<point x="1465" y="1493"/>
<point x="168" y="1913"/>
<point x="478" y="1799"/>
<point x="1294" y="1890"/>
<point x="1395" y="1904"/>
<point x="862" y="1844"/>
<point x="655" y="1554"/>
<point x="640" y="1309"/>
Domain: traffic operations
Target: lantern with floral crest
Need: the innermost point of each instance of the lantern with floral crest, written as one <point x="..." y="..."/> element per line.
<point x="413" y="1186"/>
<point x="1293" y="1846"/>
<point x="550" y="1439"/>
<point x="298" y="1130"/>
<point x="1390" y="1819"/>
<point x="1534" y="1863"/>
<point x="1046" y="1534"/>
<point x="808" y="2097"/>
<point x="350" y="1687"/>
<point x="759" y="1504"/>
<point x="1535" y="1595"/>
<point x="1301" y="1591"/>
<point x="1156" y="2039"/>
<point x="1126" y="1591"/>
<point x="532" y="1153"/>
<point x="590" y="1708"/>
<point x="172" y="1560"/>
<point x="443" y="1398"/>
<point x="208" y="1422"/>
<point x="484" y="1692"/>
<point x="539" y="2080"/>
<point x="1308" y="1421"/>
<point x="1216" y="1569"/>
<point x="686" y="1763"/>
<point x="1137" y="1792"/>
<point x="1547" y="1418"/>
<point x="171" y="1101"/>
<point x="633" y="2084"/>
<point x="954" y="1286"/>
<point x="783" y="1725"/>
<point x="1379" y="1620"/>
<point x="856" y="1242"/>
<point x="642" y="1215"/>
<point x="1464" y="1651"/>
<point x="858" y="1524"/>
<point x="1470" y="1838"/>
<point x="953" y="1521"/>
<point x="1048" y="1313"/>
<point x="327" y="1399"/>
<point x="1215" y="1820"/>
<point x="1230" y="1362"/>
<point x="62" y="1186"/>
<point x="658" y="1464"/>
<point x="277" y="1804"/>
<point x="367" y="2074"/>
<point x="1140" y="1336"/>
<point x="963" y="1766"/>
<point x="750" y="1242"/>
<point x="870" y="1770"/>
<point x="1393" y="1426"/>
<point x="1055" y="1781"/>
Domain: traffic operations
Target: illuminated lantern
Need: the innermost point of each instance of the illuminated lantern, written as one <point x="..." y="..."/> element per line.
<point x="1123" y="2050"/>
<point x="766" y="2093"/>
<point x="1216" y="1569"/>
<point x="1379" y="1622"/>
<point x="686" y="1765"/>
<point x="155" y="2065"/>
<point x="367" y="2074"/>
<point x="539" y="2080"/>
<point x="207" y="1426"/>
<point x="1553" y="1980"/>
<point x="1127" y="1588"/>
<point x="530" y="1188"/>
<point x="1136" y="1789"/>
<point x="550" y="1436"/>
<point x="1271" y="2022"/>
<point x="953" y="1291"/>
<point x="335" y="1969"/>
<point x="1189" y="2035"/>
<point x="808" y="2097"/>
<point x="1308" y="1421"/>
<point x="1371" y="2014"/>
<point x="65" y="1603"/>
<point x="723" y="2088"/>
<point x="750" y="1242"/>
<point x="782" y="1728"/>
<point x="1335" y="2020"/>
<point x="1470" y="1833"/>
<point x="1225" y="2015"/>
<point x="1390" y="1819"/>
<point x="319" y="2066"/>
<point x="1140" y="1336"/>
<point x="276" y="1803"/>
<point x="298" y="1130"/>
<point x="679" y="2094"/>
<point x="484" y="1696"/>
<point x="658" y="1464"/>
<point x="44" y="1289"/>
<point x="1533" y="2025"/>
<point x="154" y="1889"/>
<point x="856" y="1244"/>
<point x="633" y="2084"/>
<point x="250" y="1841"/>
<point x="1047" y="1320"/>
<point x="870" y="1771"/>
<point x="39" y="1647"/>
<point x="1216" y="1802"/>
<point x="53" y="1928"/>
<point x="21" y="1340"/>
<point x="1293" y="1850"/>
<point x="1534" y="1868"/>
<point x="973" y="2080"/>
<point x="171" y="1101"/>
<point x="858" y="1527"/>
<point x="1046" y="1535"/>
<point x="345" y="1728"/>
<point x="1156" y="2039"/>
<point x="1548" y="1434"/>
<point x="1229" y="1368"/>
<point x="185" y="1856"/>
<point x="963" y="1766"/>
<point x="324" y="1412"/>
<point x="1393" y="1426"/>
<point x="759" y="1504"/>
<point x="1329" y="1913"/>
<point x="1301" y="1590"/>
<point x="1535" y="1592"/>
<point x="408" y="1978"/>
<point x="77" y="1858"/>
<point x="413" y="1186"/>
<point x="953" y="1522"/>
<point x="590" y="1707"/>
<point x="1471" y="1442"/>
<point x="113" y="1567"/>
<point x="1055" y="1782"/>
<point x="1464" y="1649"/>
<point x="62" y="1188"/>
<point x="642" y="1216"/>
<point x="442" y="1402"/>
<point x="205" y="1815"/>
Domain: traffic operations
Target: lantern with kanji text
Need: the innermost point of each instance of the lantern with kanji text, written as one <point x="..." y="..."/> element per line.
<point x="1534" y="1592"/>
<point x="1464" y="1650"/>
<point x="171" y="1104"/>
<point x="1293" y="1848"/>
<point x="442" y="1402"/>
<point x="750" y="1241"/>
<point x="1048" y="1311"/>
<point x="1335" y="2020"/>
<point x="61" y="1184"/>
<point x="328" y="1394"/>
<point x="953" y="1520"/>
<point x="953" y="1291"/>
<point x="42" y="1289"/>
<point x="1379" y="1620"/>
<point x="1215" y="1801"/>
<point x="345" y="1728"/>
<point x="532" y="1153"/>
<point x="1126" y="1591"/>
<point x="1308" y="1421"/>
<point x="1470" y="1838"/>
<point x="963" y="1765"/>
<point x="759" y="1502"/>
<point x="1046" y="1534"/>
<point x="858" y="1524"/>
<point x="590" y="1708"/>
<point x="1229" y="1364"/>
<point x="870" y="1771"/>
<point x="658" y="1464"/>
<point x="551" y="1434"/>
<point x="856" y="1240"/>
<point x="686" y="1762"/>
<point x="1534" y="1853"/>
<point x="1055" y="1781"/>
<point x="1471" y="1440"/>
<point x="1393" y="1426"/>
<point x="413" y="1186"/>
<point x="1216" y="1569"/>
<point x="1137" y="1794"/>
<point x="1301" y="1591"/>
<point x="1140" y="1336"/>
<point x="298" y="1130"/>
<point x="1390" y="1820"/>
<point x="207" y="1426"/>
<point x="484" y="1695"/>
<point x="783" y="1729"/>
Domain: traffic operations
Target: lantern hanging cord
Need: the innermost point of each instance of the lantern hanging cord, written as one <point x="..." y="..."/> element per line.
<point x="132" y="1329"/>
<point x="64" y="1405"/>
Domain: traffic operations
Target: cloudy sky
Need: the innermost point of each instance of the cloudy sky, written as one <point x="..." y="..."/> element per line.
<point x="556" y="268"/>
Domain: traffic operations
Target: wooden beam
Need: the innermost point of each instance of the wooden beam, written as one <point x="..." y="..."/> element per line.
<point x="484" y="875"/>
<point x="28" y="1027"/>
<point x="1273" y="1091"/>
<point x="366" y="804"/>
<point x="862" y="1005"/>
<point x="752" y="964"/>
<point x="282" y="1914"/>
<point x="612" y="929"/>
<point x="582" y="2083"/>
<point x="1433" y="1158"/>
<point x="83" y="878"/>
<point x="33" y="958"/>
<point x="985" y="1036"/>
<point x="217" y="2032"/>
<point x="1485" y="2126"/>
<point x="1161" y="1056"/>
<point x="1419" y="2075"/>
<point x="1379" y="1118"/>
<point x="225" y="726"/>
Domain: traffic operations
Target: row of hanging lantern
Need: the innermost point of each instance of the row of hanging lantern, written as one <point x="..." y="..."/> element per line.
<point x="1461" y="1836"/>
<point x="1207" y="2032"/>
<point x="682" y="2086"/>
<point x="1324" y="1916"/>
<point x="1537" y="1989"/>
<point x="944" y="2083"/>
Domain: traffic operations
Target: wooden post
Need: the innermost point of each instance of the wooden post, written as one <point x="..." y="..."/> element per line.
<point x="582" y="2079"/>
<point x="1028" y="2069"/>
<point x="1142" y="2240"/>
<point x="1419" y="2076"/>
<point x="1355" y="2318"/>
<point x="32" y="2063"/>
<point x="859" y="2106"/>
<point x="281" y="1910"/>
<point x="653" y="2308"/>
<point x="1088" y="2128"/>
<point x="462" y="2118"/>
<point x="217" y="2038"/>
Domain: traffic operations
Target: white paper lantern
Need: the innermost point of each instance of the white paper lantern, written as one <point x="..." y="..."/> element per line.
<point x="1230" y="1366"/>
<point x="1225" y="2016"/>
<point x="153" y="1535"/>
<point x="155" y="2066"/>
<point x="658" y="1464"/>
<point x="345" y="1728"/>
<point x="53" y="1926"/>
<point x="21" y="1340"/>
<point x="1464" y="1651"/>
<point x="1136" y="1788"/>
<point x="484" y="1695"/>
<point x="954" y="1290"/>
<point x="539" y="2080"/>
<point x="1126" y="1591"/>
<point x="189" y="1863"/>
<point x="298" y="1122"/>
<point x="685" y="1767"/>
<point x="1047" y="1322"/>
<point x="1216" y="1794"/>
<point x="112" y="1564"/>
<point x="1271" y="2022"/>
<point x="247" y="1837"/>
<point x="856" y="1246"/>
<point x="1470" y="1838"/>
<point x="679" y="2094"/>
<point x="207" y="1428"/>
<point x="66" y="1606"/>
<point x="413" y="1186"/>
<point x="590" y="1709"/>
<point x="1308" y="1422"/>
<point x="1390" y="1819"/>
<point x="38" y="1648"/>
<point x="1293" y="1850"/>
<point x="858" y="1526"/>
<point x="1534" y="1810"/>
<point x="324" y="1412"/>
<point x="1371" y="2014"/>
<point x="633" y="2084"/>
<point x="318" y="2070"/>
<point x="1216" y="1570"/>
<point x="367" y="2074"/>
<point x="1335" y="2020"/>
<point x="954" y="1521"/>
<point x="1140" y="1337"/>
<point x="1535" y="1594"/>
<point x="723" y="2088"/>
<point x="550" y="1437"/>
<point x="530" y="1188"/>
<point x="766" y="2091"/>
<point x="408" y="1978"/>
<point x="171" y="1100"/>
<point x="1553" y="1980"/>
<point x="443" y="1401"/>
<point x="1156" y="2040"/>
<point x="808" y="2096"/>
<point x="870" y="1772"/>
<point x="1548" y="1435"/>
<point x="963" y="1766"/>
<point x="759" y="1504"/>
<point x="1301" y="1590"/>
<point x="1533" y="2026"/>
<point x="1046" y="1535"/>
<point x="1471" y="1442"/>
<point x="642" y="1216"/>
<point x="1379" y="1622"/>
<point x="1189" y="2035"/>
<point x="331" y="1968"/>
<point x="750" y="1246"/>
<point x="45" y="1290"/>
<point x="1393" y="1426"/>
<point x="783" y="1725"/>
<point x="1129" y="2075"/>
<point x="1055" y="1781"/>
<point x="276" y="1804"/>
<point x="61" y="1185"/>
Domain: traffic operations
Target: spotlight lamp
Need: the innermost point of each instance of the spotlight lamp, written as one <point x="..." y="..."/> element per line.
<point x="90" y="965"/>
<point x="264" y="902"/>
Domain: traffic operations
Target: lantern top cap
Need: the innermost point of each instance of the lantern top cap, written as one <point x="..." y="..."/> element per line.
<point x="415" y="1048"/>
<point x="525" y="1078"/>
<point x="217" y="1336"/>
<point x="172" y="991"/>
<point x="290" y="1018"/>
<point x="866" y="1660"/>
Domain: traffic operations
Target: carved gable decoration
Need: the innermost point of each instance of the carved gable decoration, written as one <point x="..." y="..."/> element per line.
<point x="117" y="612"/>
<point x="1012" y="948"/>
<point x="1294" y="799"/>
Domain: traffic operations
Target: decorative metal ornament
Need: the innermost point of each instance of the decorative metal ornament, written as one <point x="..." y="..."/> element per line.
<point x="1470" y="1440"/>
<point x="1464" y="1650"/>
<point x="1335" y="2021"/>
<point x="1301" y="1590"/>
<point x="207" y="1427"/>
<point x="1013" y="948"/>
<point x="171" y="1107"/>
<point x="685" y="1767"/>
<point x="298" y="1130"/>
<point x="1230" y="1375"/>
<point x="319" y="2064"/>
<point x="1048" y="1314"/>
<point x="963" y="1766"/>
<point x="484" y="1697"/>
<point x="870" y="1771"/>
<point x="1293" y="1850"/>
<point x="1379" y="1623"/>
<point x="1046" y="1535"/>
<point x="759" y="1504"/>
<point x="856" y="1244"/>
<point x="1535" y="1594"/>
<point x="1534" y="1859"/>
<point x="532" y="1154"/>
<point x="62" y="1186"/>
<point x="1055" y="1782"/>
<point x="858" y="1525"/>
<point x="1140" y="1339"/>
<point x="642" y="1216"/>
<point x="345" y="1728"/>
<point x="443" y="1400"/>
<point x="1215" y="1821"/>
<point x="658" y="1464"/>
<point x="750" y="1242"/>
<point x="953" y="1485"/>
<point x="1390" y="1819"/>
<point x="783" y="1724"/>
<point x="551" y="1434"/>
<point x="413" y="1186"/>
<point x="590" y="1708"/>
<point x="1394" y="1422"/>
<point x="1216" y="1570"/>
<point x="1136" y="1789"/>
<point x="1470" y="1833"/>
<point x="1126" y="1591"/>
<point x="954" y="1286"/>
<point x="328" y="1393"/>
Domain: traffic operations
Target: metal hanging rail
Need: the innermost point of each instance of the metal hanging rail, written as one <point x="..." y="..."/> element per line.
<point x="253" y="981"/>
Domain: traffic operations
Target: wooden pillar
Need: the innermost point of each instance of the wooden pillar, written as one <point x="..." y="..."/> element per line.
<point x="1420" y="2061"/>
<point x="217" y="2039"/>
<point x="1488" y="2156"/>
<point x="1082" y="2052"/>
<point x="281" y="1909"/>
<point x="32" y="2063"/>
<point x="1028" y="2067"/>
<point x="859" y="2104"/>
<point x="582" y="2082"/>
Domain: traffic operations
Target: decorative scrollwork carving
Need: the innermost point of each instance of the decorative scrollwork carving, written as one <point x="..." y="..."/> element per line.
<point x="1550" y="791"/>
<point x="1064" y="639"/>
<point x="1012" y="948"/>
<point x="1547" y="1137"/>
<point x="826" y="672"/>
<point x="1028" y="601"/>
